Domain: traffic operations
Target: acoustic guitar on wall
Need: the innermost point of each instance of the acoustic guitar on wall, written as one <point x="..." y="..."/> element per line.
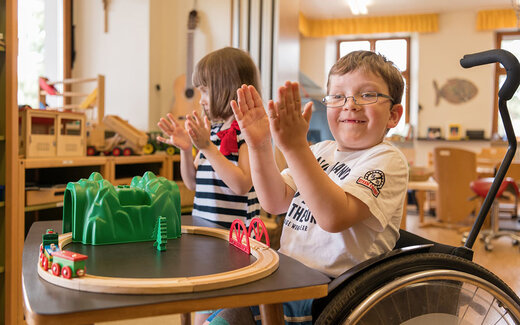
<point x="186" y="95"/>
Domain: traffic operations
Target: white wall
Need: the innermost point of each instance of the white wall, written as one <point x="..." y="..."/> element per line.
<point x="121" y="55"/>
<point x="168" y="45"/>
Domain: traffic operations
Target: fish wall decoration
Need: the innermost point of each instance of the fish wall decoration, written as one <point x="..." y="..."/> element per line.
<point x="455" y="91"/>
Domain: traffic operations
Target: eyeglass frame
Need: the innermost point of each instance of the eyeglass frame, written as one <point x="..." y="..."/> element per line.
<point x="377" y="95"/>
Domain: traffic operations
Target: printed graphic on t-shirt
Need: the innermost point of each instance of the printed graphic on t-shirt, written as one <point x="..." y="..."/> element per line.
<point x="299" y="216"/>
<point x="373" y="180"/>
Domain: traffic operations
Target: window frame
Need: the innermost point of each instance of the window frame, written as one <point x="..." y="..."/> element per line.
<point x="405" y="74"/>
<point x="499" y="71"/>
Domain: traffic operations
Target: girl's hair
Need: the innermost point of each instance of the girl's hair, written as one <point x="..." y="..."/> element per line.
<point x="371" y="62"/>
<point x="223" y="72"/>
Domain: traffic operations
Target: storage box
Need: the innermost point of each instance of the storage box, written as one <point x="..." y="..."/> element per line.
<point x="44" y="195"/>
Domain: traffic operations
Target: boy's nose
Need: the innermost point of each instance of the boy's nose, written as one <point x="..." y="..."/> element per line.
<point x="350" y="104"/>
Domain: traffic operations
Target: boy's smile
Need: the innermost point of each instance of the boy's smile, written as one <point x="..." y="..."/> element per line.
<point x="357" y="126"/>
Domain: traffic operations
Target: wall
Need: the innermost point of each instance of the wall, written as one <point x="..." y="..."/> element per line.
<point x="439" y="55"/>
<point x="122" y="55"/>
<point x="168" y="43"/>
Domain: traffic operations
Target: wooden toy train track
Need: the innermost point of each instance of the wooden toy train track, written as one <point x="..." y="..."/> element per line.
<point x="266" y="263"/>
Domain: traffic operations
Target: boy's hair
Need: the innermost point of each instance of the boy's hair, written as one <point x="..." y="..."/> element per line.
<point x="223" y="72"/>
<point x="371" y="62"/>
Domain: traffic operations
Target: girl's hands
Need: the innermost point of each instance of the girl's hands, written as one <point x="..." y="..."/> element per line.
<point x="288" y="124"/>
<point x="178" y="136"/>
<point x="251" y="117"/>
<point x="199" y="130"/>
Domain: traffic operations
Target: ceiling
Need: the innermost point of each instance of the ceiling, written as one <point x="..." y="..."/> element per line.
<point x="339" y="9"/>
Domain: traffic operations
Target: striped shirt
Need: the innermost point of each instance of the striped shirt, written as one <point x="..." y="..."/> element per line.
<point x="214" y="200"/>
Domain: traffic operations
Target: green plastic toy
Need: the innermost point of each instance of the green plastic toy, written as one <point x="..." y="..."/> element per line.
<point x="98" y="213"/>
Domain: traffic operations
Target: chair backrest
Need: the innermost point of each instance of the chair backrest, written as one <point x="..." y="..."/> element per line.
<point x="513" y="171"/>
<point x="454" y="169"/>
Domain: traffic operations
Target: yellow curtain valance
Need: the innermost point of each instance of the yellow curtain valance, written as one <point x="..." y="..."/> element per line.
<point x="368" y="25"/>
<point x="496" y="19"/>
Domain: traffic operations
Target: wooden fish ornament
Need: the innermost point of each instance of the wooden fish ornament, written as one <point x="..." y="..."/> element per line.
<point x="455" y="91"/>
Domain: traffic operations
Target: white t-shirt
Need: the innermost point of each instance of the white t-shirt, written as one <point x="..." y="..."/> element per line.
<point x="378" y="176"/>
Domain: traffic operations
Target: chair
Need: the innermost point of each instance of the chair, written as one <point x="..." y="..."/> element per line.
<point x="481" y="188"/>
<point x="454" y="170"/>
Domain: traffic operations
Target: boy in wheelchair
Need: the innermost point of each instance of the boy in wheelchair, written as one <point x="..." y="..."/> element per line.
<point x="343" y="199"/>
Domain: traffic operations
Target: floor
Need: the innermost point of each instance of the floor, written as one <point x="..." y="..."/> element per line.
<point x="503" y="260"/>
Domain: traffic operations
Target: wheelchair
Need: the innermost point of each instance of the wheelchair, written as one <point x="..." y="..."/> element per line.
<point x="424" y="282"/>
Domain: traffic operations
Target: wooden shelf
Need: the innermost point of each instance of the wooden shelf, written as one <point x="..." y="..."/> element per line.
<point x="2" y="137"/>
<point x="31" y="163"/>
<point x="43" y="206"/>
<point x="2" y="203"/>
<point x="2" y="269"/>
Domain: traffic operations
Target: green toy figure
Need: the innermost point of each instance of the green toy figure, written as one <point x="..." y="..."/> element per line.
<point x="159" y="233"/>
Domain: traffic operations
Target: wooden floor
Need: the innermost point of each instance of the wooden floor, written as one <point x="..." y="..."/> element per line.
<point x="503" y="260"/>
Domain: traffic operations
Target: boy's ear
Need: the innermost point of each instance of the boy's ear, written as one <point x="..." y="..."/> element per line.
<point x="395" y="115"/>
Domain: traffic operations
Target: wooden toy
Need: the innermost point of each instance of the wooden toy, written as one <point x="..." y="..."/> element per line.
<point x="265" y="263"/>
<point x="65" y="263"/>
<point x="51" y="133"/>
<point x="127" y="141"/>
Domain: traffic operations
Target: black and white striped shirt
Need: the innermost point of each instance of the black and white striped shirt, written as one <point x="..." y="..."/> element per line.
<point x="214" y="200"/>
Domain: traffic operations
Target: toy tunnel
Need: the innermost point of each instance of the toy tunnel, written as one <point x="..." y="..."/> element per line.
<point x="97" y="213"/>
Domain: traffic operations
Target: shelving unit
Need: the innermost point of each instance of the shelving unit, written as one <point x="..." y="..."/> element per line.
<point x="35" y="172"/>
<point x="11" y="225"/>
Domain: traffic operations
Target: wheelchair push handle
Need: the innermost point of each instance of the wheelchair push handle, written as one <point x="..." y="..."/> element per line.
<point x="506" y="92"/>
<point x="508" y="60"/>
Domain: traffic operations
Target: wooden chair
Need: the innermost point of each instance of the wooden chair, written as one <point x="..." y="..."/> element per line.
<point x="454" y="170"/>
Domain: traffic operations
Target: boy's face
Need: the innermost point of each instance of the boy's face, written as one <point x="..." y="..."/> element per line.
<point x="354" y="126"/>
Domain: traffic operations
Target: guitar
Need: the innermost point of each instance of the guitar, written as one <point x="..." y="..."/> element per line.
<point x="186" y="96"/>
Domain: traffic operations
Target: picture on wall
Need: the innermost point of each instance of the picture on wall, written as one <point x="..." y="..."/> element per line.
<point x="454" y="132"/>
<point x="434" y="133"/>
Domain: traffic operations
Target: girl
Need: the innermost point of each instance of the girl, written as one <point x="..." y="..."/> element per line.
<point x="220" y="173"/>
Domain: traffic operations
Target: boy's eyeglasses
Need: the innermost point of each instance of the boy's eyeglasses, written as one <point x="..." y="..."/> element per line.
<point x="360" y="99"/>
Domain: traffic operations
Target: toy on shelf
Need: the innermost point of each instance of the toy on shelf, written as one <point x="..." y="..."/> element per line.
<point x="153" y="145"/>
<point x="127" y="139"/>
<point x="51" y="133"/>
<point x="98" y="213"/>
<point x="65" y="263"/>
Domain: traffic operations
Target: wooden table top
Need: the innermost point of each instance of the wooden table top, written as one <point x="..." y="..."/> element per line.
<point x="45" y="303"/>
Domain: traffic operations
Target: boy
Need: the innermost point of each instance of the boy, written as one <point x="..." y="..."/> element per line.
<point x="343" y="199"/>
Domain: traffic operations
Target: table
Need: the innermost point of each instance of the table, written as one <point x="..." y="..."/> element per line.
<point x="45" y="303"/>
<point x="420" y="188"/>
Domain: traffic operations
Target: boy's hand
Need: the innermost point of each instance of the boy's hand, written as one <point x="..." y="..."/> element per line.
<point x="289" y="124"/>
<point x="251" y="117"/>
<point x="178" y="136"/>
<point x="199" y="130"/>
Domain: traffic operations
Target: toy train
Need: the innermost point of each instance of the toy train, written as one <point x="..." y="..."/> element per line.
<point x="68" y="264"/>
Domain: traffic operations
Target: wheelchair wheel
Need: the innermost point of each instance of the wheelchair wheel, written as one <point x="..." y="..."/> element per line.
<point x="429" y="288"/>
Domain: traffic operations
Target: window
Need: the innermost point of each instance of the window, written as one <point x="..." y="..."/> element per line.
<point x="509" y="41"/>
<point x="31" y="36"/>
<point x="396" y="50"/>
